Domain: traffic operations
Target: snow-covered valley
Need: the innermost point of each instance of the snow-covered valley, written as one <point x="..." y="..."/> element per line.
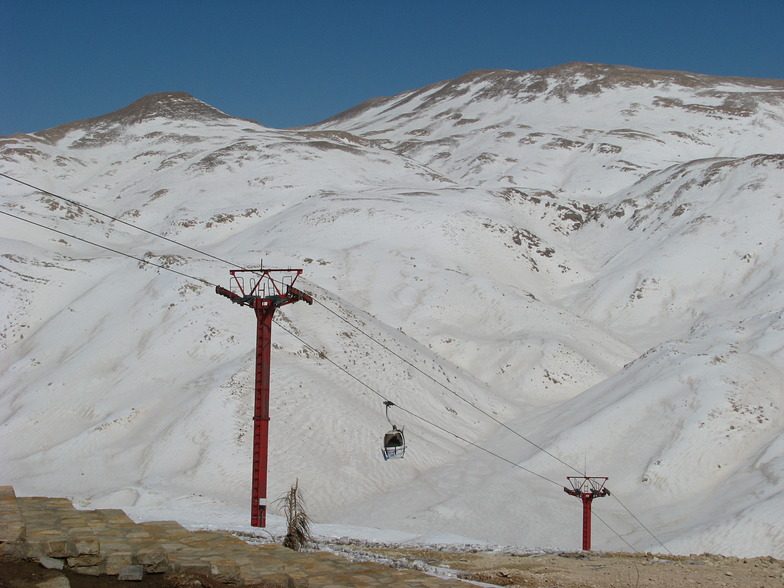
<point x="552" y="272"/>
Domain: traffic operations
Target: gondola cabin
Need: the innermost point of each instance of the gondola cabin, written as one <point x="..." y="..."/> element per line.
<point x="394" y="444"/>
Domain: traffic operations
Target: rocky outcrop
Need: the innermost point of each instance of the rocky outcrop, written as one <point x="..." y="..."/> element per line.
<point x="107" y="542"/>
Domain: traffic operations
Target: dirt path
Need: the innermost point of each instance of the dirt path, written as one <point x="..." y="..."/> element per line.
<point x="566" y="570"/>
<point x="602" y="570"/>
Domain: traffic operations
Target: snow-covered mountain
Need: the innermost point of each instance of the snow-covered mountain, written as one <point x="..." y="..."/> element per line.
<point x="557" y="271"/>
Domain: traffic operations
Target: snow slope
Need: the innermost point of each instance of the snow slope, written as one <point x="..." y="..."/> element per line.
<point x="564" y="270"/>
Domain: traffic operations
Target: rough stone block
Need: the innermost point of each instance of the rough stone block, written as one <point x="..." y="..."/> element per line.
<point x="84" y="560"/>
<point x="118" y="560"/>
<point x="33" y="550"/>
<point x="113" y="545"/>
<point x="133" y="573"/>
<point x="51" y="563"/>
<point x="11" y="529"/>
<point x="89" y="570"/>
<point x="60" y="548"/>
<point x="154" y="559"/>
<point x="226" y="571"/>
<point x="192" y="566"/>
<point x="17" y="550"/>
<point x="87" y="545"/>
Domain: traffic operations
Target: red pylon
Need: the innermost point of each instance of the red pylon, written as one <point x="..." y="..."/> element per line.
<point x="587" y="488"/>
<point x="264" y="295"/>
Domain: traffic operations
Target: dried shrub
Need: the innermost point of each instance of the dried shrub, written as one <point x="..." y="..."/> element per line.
<point x="297" y="520"/>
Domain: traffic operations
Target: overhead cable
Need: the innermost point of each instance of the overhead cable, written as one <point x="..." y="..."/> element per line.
<point x="448" y="389"/>
<point x="119" y="220"/>
<point x="322" y="355"/>
<point x="140" y="259"/>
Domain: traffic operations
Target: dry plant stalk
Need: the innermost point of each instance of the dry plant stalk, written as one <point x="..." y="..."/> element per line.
<point x="297" y="520"/>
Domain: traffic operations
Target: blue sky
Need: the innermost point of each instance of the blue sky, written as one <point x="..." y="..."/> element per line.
<point x="289" y="63"/>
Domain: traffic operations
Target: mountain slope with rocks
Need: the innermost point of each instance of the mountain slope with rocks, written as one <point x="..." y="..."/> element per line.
<point x="549" y="272"/>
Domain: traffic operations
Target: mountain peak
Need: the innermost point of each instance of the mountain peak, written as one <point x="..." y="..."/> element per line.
<point x="168" y="105"/>
<point x="172" y="105"/>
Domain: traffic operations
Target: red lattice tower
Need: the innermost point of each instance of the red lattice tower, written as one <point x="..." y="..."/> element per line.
<point x="264" y="294"/>
<point x="586" y="489"/>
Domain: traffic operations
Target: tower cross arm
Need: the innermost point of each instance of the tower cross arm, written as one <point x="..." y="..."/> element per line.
<point x="298" y="294"/>
<point x="236" y="298"/>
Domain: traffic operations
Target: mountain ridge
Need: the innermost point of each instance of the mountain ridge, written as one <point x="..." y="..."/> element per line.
<point x="539" y="81"/>
<point x="478" y="130"/>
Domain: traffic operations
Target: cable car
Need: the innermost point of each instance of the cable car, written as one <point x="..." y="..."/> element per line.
<point x="394" y="440"/>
